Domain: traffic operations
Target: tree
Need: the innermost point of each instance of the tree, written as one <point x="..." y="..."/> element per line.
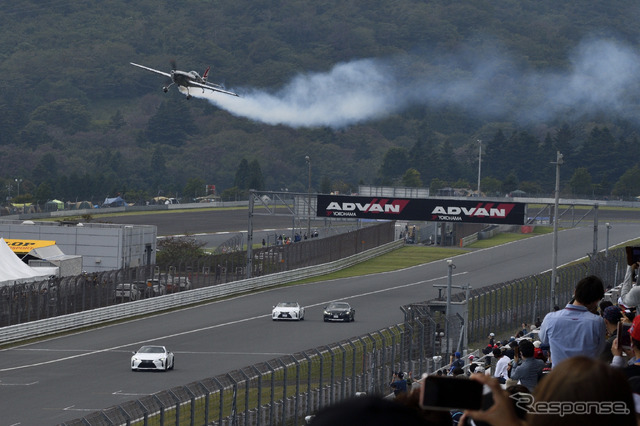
<point x="194" y="188"/>
<point x="411" y="178"/>
<point x="241" y="180"/>
<point x="173" y="251"/>
<point x="68" y="114"/>
<point x="491" y="186"/>
<point x="171" y="124"/>
<point x="256" y="180"/>
<point x="580" y="182"/>
<point x="629" y="183"/>
<point x="393" y="164"/>
<point x="157" y="169"/>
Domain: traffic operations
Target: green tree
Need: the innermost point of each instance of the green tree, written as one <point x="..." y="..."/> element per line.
<point x="580" y="182"/>
<point x="68" y="114"/>
<point x="256" y="180"/>
<point x="325" y="185"/>
<point x="629" y="183"/>
<point x="194" y="188"/>
<point x="411" y="178"/>
<point x="491" y="186"/>
<point x="393" y="164"/>
<point x="171" y="124"/>
<point x="242" y="178"/>
<point x="174" y="251"/>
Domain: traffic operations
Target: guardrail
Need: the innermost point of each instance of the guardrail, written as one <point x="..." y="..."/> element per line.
<point x="94" y="317"/>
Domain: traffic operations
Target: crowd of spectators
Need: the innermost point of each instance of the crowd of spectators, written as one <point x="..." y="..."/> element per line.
<point x="579" y="365"/>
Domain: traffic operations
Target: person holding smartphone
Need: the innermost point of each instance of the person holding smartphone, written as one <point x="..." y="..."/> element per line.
<point x="526" y="368"/>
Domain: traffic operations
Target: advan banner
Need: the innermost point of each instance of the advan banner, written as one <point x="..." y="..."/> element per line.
<point x="429" y="210"/>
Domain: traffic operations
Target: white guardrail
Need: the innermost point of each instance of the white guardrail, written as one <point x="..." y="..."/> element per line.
<point x="33" y="329"/>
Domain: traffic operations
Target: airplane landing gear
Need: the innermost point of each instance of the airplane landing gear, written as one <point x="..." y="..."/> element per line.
<point x="165" y="89"/>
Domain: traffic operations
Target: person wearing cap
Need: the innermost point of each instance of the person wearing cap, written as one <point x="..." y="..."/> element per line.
<point x="612" y="316"/>
<point x="492" y="339"/>
<point x="576" y="329"/>
<point x="399" y="384"/>
<point x="456" y="362"/>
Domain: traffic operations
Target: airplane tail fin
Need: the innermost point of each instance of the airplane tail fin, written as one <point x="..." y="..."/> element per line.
<point x="206" y="74"/>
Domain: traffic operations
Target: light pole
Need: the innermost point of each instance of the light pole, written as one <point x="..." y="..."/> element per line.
<point x="606" y="249"/>
<point x="18" y="182"/>
<point x="451" y="267"/>
<point x="554" y="263"/>
<point x="308" y="160"/>
<point x="479" y="163"/>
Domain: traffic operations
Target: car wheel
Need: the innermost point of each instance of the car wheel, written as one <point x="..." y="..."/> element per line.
<point x="173" y="364"/>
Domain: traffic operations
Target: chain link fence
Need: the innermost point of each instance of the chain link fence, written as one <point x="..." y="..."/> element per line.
<point x="286" y="389"/>
<point x="20" y="303"/>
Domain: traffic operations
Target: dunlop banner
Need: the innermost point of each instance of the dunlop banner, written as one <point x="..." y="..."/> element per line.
<point x="429" y="210"/>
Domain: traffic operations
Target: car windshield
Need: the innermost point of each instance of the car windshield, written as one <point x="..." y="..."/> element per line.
<point x="287" y="305"/>
<point x="338" y="306"/>
<point x="151" y="350"/>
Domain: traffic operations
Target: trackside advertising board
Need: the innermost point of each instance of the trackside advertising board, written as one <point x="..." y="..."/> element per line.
<point x="430" y="210"/>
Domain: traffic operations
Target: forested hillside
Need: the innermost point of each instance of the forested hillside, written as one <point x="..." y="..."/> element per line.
<point x="377" y="92"/>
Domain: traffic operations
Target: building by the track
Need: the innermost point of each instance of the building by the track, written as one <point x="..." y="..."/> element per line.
<point x="103" y="246"/>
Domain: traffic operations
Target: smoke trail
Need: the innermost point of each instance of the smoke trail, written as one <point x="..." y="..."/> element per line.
<point x="601" y="78"/>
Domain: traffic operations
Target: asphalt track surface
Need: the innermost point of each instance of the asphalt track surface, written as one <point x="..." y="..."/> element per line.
<point x="61" y="379"/>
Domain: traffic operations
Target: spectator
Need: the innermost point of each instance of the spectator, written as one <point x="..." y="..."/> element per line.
<point x="604" y="305"/>
<point x="456" y="361"/>
<point x="575" y="330"/>
<point x="611" y="316"/>
<point x="630" y="293"/>
<point x="398" y="384"/>
<point x="527" y="370"/>
<point x="492" y="340"/>
<point x="501" y="372"/>
<point x="633" y="369"/>
<point x="538" y="353"/>
<point x="538" y="323"/>
<point x="580" y="379"/>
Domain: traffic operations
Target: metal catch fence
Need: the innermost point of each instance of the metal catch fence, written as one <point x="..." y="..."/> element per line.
<point x="286" y="389"/>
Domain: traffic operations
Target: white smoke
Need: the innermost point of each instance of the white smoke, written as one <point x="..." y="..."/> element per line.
<point x="602" y="77"/>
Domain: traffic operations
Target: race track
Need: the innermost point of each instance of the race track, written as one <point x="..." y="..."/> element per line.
<point x="60" y="379"/>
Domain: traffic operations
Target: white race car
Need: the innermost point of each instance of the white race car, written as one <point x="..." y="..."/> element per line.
<point x="288" y="311"/>
<point x="152" y="358"/>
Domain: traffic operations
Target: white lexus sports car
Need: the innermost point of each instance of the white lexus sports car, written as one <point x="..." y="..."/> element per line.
<point x="152" y="358"/>
<point x="288" y="311"/>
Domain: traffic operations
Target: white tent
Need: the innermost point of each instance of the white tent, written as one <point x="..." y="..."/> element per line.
<point x="13" y="270"/>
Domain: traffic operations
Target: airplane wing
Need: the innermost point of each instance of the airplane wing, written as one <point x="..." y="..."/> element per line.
<point x="166" y="74"/>
<point x="212" y="87"/>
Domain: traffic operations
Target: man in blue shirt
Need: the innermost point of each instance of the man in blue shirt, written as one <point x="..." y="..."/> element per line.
<point x="576" y="329"/>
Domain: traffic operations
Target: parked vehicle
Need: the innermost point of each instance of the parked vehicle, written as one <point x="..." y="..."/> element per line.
<point x="127" y="292"/>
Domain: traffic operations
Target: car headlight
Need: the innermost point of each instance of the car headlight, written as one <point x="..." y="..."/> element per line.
<point x="327" y="313"/>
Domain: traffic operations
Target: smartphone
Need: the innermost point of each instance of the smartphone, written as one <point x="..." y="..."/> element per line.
<point x="448" y="393"/>
<point x="624" y="337"/>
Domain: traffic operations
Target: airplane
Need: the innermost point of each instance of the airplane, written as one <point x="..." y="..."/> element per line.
<point x="187" y="79"/>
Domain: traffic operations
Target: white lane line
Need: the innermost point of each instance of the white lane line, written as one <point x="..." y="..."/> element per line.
<point x="18" y="384"/>
<point x="114" y="348"/>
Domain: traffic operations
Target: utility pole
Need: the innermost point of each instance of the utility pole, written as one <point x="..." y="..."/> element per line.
<point x="479" y="163"/>
<point x="554" y="263"/>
